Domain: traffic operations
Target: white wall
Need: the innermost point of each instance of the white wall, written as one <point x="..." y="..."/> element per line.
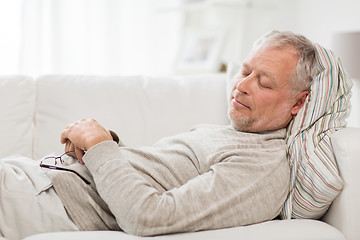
<point x="320" y="19"/>
<point x="242" y="22"/>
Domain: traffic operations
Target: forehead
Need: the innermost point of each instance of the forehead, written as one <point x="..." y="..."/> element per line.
<point x="273" y="56"/>
<point x="272" y="61"/>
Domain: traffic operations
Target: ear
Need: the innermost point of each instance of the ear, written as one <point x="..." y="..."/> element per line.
<point x="299" y="102"/>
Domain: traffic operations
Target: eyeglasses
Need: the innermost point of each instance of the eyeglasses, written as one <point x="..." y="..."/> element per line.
<point x="61" y="160"/>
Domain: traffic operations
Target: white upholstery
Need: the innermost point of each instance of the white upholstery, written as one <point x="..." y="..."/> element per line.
<point x="141" y="110"/>
<point x="273" y="230"/>
<point x="345" y="210"/>
<point x="17" y="98"/>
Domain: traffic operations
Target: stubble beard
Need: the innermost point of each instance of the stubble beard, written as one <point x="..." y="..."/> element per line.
<point x="241" y="123"/>
<point x="249" y="124"/>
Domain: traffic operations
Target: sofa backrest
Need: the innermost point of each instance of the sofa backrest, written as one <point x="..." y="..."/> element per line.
<point x="140" y="109"/>
<point x="17" y="104"/>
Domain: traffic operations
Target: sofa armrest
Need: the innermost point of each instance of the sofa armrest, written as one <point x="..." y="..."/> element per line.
<point x="345" y="210"/>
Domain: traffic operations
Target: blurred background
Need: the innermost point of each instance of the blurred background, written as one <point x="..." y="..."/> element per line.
<point x="154" y="37"/>
<point x="165" y="37"/>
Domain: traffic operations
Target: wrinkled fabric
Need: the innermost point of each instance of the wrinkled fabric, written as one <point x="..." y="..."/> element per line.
<point x="28" y="202"/>
<point x="211" y="177"/>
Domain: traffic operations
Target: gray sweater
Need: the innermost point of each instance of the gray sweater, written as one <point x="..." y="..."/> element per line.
<point x="211" y="177"/>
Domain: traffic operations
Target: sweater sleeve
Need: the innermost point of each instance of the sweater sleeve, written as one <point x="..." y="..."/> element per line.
<point x="230" y="194"/>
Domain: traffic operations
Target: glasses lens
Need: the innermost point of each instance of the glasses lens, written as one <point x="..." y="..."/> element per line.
<point x="50" y="161"/>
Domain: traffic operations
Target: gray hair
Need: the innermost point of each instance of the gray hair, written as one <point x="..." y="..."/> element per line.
<point x="306" y="69"/>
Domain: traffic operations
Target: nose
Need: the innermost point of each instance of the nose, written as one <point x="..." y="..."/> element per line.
<point x="244" y="85"/>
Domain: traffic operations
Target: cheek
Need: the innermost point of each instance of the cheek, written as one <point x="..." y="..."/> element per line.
<point x="263" y="101"/>
<point x="268" y="103"/>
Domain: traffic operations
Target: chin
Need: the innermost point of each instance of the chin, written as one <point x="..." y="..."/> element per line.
<point x="241" y="123"/>
<point x="245" y="124"/>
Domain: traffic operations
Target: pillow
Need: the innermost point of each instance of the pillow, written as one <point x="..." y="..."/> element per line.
<point x="315" y="179"/>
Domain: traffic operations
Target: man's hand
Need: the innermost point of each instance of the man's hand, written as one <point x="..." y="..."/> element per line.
<point x="82" y="135"/>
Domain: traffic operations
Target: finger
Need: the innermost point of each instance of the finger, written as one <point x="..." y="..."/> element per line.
<point x="79" y="153"/>
<point x="68" y="146"/>
<point x="63" y="137"/>
<point x="70" y="149"/>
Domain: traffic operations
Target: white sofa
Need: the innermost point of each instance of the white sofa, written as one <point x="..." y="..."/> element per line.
<point x="142" y="110"/>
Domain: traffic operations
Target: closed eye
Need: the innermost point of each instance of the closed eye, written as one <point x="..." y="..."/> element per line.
<point x="265" y="83"/>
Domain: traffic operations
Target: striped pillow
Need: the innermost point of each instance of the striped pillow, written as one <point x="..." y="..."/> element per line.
<point x="315" y="179"/>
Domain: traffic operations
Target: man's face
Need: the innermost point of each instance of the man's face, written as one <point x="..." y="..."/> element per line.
<point x="260" y="99"/>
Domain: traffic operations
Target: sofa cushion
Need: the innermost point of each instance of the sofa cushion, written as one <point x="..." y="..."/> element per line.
<point x="345" y="210"/>
<point x="139" y="109"/>
<point x="272" y="230"/>
<point x="17" y="101"/>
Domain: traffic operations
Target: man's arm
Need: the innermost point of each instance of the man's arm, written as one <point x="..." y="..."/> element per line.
<point x="230" y="194"/>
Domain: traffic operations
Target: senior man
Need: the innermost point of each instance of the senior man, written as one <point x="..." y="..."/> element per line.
<point x="211" y="177"/>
